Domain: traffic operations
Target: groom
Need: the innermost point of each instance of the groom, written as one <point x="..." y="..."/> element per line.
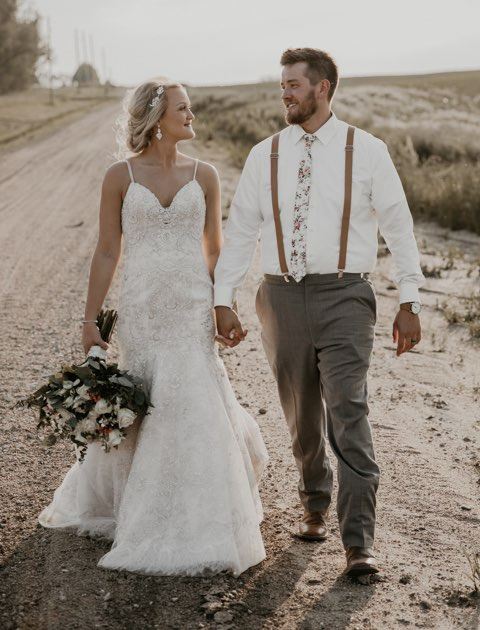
<point x="317" y="193"/>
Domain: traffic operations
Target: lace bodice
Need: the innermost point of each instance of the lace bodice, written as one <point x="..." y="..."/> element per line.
<point x="166" y="293"/>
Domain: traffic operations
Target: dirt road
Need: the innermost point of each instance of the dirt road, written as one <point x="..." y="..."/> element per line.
<point x="424" y="411"/>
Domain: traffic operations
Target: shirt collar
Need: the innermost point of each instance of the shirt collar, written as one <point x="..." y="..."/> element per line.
<point x="325" y="133"/>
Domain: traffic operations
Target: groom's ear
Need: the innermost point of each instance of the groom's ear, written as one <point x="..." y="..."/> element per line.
<point x="322" y="89"/>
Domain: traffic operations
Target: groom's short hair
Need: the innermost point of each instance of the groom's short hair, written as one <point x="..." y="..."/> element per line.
<point x="320" y="65"/>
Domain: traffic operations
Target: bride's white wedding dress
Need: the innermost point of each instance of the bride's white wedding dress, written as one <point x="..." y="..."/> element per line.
<point x="180" y="495"/>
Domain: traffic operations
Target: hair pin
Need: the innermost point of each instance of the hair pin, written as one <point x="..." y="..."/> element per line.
<point x="156" y="99"/>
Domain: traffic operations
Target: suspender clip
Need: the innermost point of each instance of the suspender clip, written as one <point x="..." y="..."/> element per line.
<point x="274" y="156"/>
<point x="285" y="276"/>
<point x="349" y="147"/>
<point x="340" y="273"/>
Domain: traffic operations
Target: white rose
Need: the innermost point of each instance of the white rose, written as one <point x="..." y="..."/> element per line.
<point x="87" y="425"/>
<point x="114" y="437"/>
<point x="83" y="392"/>
<point x="102" y="406"/>
<point x="125" y="417"/>
<point x="117" y="404"/>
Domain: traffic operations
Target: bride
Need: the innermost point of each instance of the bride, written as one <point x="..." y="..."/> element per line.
<point x="180" y="495"/>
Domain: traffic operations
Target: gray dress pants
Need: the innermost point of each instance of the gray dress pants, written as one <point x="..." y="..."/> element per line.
<point x="318" y="337"/>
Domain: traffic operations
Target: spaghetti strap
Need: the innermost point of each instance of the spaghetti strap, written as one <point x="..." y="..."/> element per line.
<point x="195" y="171"/>
<point x="130" y="171"/>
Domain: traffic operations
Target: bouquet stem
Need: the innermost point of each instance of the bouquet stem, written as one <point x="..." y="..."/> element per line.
<point x="106" y="321"/>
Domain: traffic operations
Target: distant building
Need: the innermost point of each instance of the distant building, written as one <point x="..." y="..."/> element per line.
<point x="85" y="75"/>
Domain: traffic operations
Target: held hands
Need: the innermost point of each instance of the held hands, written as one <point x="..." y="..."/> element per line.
<point x="405" y="328"/>
<point x="91" y="337"/>
<point x="229" y="328"/>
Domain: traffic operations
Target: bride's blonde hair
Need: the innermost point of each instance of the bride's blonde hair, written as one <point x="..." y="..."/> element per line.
<point x="137" y="124"/>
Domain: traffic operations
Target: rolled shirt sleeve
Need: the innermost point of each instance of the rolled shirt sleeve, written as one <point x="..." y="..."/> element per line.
<point x="396" y="224"/>
<point x="240" y="235"/>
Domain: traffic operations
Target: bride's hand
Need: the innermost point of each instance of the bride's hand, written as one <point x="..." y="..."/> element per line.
<point x="229" y="329"/>
<point x="91" y="337"/>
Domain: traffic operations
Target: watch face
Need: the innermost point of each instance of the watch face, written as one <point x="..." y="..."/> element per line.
<point x="415" y="307"/>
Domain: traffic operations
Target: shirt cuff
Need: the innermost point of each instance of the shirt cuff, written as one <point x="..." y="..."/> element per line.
<point x="223" y="296"/>
<point x="409" y="292"/>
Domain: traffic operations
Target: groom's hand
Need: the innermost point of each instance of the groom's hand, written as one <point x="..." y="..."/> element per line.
<point x="405" y="328"/>
<point x="229" y="328"/>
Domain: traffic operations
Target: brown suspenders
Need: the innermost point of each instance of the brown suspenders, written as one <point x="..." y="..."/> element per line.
<point x="276" y="210"/>
<point x="347" y="203"/>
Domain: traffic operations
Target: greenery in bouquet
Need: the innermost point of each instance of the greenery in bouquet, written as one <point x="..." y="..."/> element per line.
<point x="94" y="401"/>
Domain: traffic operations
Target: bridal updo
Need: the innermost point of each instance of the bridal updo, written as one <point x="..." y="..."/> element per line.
<point x="137" y="126"/>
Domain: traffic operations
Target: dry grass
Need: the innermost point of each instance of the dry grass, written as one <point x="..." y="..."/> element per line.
<point x="467" y="314"/>
<point x="430" y="124"/>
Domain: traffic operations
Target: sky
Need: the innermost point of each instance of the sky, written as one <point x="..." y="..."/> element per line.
<point x="216" y="42"/>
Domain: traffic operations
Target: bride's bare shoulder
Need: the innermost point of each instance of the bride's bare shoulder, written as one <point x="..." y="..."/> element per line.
<point x="207" y="174"/>
<point x="116" y="176"/>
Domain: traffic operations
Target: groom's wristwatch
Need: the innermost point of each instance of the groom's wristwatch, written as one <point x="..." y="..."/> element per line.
<point x="411" y="307"/>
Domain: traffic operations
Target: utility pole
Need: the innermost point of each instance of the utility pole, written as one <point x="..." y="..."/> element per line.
<point x="84" y="42"/>
<point x="104" y="65"/>
<point x="49" y="59"/>
<point x="104" y="71"/>
<point x="77" y="49"/>
<point x="77" y="53"/>
<point x="92" y="50"/>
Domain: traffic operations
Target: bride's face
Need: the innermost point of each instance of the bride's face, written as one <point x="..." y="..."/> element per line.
<point x="178" y="117"/>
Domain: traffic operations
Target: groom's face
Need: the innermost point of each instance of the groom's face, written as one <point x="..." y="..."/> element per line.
<point x="298" y="94"/>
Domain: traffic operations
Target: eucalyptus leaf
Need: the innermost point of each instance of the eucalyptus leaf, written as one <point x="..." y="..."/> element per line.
<point x="122" y="380"/>
<point x="83" y="372"/>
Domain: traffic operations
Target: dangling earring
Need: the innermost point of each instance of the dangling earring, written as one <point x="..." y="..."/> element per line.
<point x="159" y="133"/>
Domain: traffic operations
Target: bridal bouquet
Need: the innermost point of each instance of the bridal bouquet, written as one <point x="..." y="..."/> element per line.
<point x="93" y="401"/>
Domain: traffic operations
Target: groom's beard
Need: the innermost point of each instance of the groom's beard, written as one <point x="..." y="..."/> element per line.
<point x="303" y="111"/>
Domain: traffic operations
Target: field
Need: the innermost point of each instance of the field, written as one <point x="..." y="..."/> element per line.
<point x="429" y="122"/>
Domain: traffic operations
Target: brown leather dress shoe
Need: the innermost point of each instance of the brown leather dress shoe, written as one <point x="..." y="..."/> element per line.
<point x="312" y="526"/>
<point x="360" y="561"/>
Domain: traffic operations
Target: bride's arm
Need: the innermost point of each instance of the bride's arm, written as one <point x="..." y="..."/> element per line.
<point x="212" y="234"/>
<point x="107" y="251"/>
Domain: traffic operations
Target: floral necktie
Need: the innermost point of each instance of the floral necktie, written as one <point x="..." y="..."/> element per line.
<point x="298" y="256"/>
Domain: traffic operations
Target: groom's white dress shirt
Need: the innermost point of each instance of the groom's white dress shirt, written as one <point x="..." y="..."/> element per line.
<point x="378" y="203"/>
